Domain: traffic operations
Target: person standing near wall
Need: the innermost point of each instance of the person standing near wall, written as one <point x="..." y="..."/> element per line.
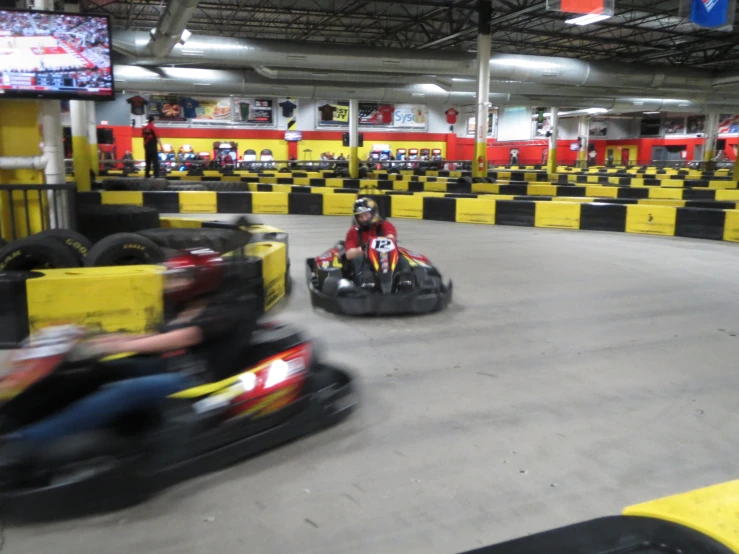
<point x="151" y="141"/>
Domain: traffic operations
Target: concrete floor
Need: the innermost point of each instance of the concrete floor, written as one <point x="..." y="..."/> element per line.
<point x="576" y="373"/>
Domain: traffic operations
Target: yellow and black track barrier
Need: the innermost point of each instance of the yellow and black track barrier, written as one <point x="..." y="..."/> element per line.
<point x="695" y="222"/>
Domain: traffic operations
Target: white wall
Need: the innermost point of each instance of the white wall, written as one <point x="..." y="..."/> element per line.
<point x="514" y="123"/>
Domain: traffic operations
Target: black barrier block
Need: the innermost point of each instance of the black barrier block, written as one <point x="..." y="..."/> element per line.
<point x="651" y="182"/>
<point x="562" y="179"/>
<point x="351" y="183"/>
<point x="304" y="204"/>
<point x="211" y="178"/>
<point x="461" y="195"/>
<point x="602" y="180"/>
<point x="624" y="181"/>
<point x="439" y="209"/>
<point x="384" y="184"/>
<point x="603" y="217"/>
<point x="234" y="203"/>
<point x="700" y="223"/>
<point x="699" y="194"/>
<point x="383" y="202"/>
<point x="399" y="193"/>
<point x="300" y="174"/>
<point x="301" y="189"/>
<point x="570" y="191"/>
<point x="14" y="307"/>
<point x="519" y="190"/>
<point x="416" y="186"/>
<point x="250" y="179"/>
<point x="620" y="201"/>
<point x="709" y="205"/>
<point x="431" y="179"/>
<point x="444" y="173"/>
<point x="345" y="191"/>
<point x="517" y="176"/>
<point x="264" y="187"/>
<point x="89" y="198"/>
<point x="696" y="182"/>
<point x="510" y="212"/>
<point x="582" y="179"/>
<point x="542" y="177"/>
<point x="166" y="202"/>
<point x="284" y="180"/>
<point x="174" y="178"/>
<point x="628" y="192"/>
<point x="317" y="182"/>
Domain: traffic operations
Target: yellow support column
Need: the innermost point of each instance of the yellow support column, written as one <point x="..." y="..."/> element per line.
<point x="736" y="168"/>
<point x="80" y="147"/>
<point x="552" y="153"/>
<point x="354" y="138"/>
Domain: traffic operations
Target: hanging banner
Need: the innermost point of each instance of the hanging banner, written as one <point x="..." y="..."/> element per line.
<point x="674" y="125"/>
<point x="728" y="124"/>
<point x="414" y="116"/>
<point x="712" y="14"/>
<point x="586" y="7"/>
<point x="165" y="107"/>
<point x="598" y="128"/>
<point x="376" y="115"/>
<point x="255" y="111"/>
<point x="207" y="109"/>
<point x="332" y="113"/>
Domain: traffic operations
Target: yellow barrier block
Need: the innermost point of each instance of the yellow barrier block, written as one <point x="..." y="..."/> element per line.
<point x="198" y="202"/>
<point x="191" y="178"/>
<point x="231" y="178"/>
<point x="504" y="175"/>
<point x="528" y="176"/>
<point x="410" y="207"/>
<point x="282" y="188"/>
<point x="577" y="199"/>
<point x="727" y="195"/>
<point x="267" y="180"/>
<point x="322" y="190"/>
<point x="662" y="202"/>
<point x="438" y="186"/>
<point x="679" y="183"/>
<point x="593" y="178"/>
<point x="432" y="194"/>
<point x="713" y="511"/>
<point x="269" y="203"/>
<point x="130" y="197"/>
<point x="274" y="269"/>
<point x="179" y="223"/>
<point x="400" y="185"/>
<point x="211" y="173"/>
<point x="560" y="215"/>
<point x="719" y="185"/>
<point x="110" y="299"/>
<point x="302" y="181"/>
<point x="338" y="204"/>
<point x="336" y="183"/>
<point x="541" y="190"/>
<point x="637" y="182"/>
<point x="731" y="226"/>
<point x="601" y="191"/>
<point x="660" y="192"/>
<point x="651" y="220"/>
<point x="485" y="188"/>
<point x="475" y="210"/>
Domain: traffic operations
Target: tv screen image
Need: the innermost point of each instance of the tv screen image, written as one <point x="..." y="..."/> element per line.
<point x="55" y="55"/>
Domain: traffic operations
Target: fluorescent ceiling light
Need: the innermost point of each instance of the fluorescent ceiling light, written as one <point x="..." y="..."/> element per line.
<point x="650" y="113"/>
<point x="587" y="19"/>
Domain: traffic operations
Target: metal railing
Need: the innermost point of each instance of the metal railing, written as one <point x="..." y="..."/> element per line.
<point x="28" y="209"/>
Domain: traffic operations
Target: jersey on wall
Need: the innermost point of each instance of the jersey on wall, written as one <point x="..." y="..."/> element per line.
<point x="138" y="104"/>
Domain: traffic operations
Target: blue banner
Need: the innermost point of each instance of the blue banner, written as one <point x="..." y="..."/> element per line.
<point x="709" y="13"/>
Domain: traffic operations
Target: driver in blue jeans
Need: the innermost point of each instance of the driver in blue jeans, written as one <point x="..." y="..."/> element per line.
<point x="368" y="224"/>
<point x="205" y="327"/>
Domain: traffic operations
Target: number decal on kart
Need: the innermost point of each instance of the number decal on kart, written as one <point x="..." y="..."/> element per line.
<point x="383" y="245"/>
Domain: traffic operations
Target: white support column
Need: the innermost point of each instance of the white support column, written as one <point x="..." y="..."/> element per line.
<point x="552" y="156"/>
<point x="354" y="138"/>
<point x="583" y="132"/>
<point x="480" y="163"/>
<point x="80" y="149"/>
<point x="709" y="150"/>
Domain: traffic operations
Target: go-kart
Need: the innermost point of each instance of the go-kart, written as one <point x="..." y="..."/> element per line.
<point x="284" y="391"/>
<point x="334" y="287"/>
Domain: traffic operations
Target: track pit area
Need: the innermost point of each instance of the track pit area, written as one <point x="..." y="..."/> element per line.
<point x="575" y="373"/>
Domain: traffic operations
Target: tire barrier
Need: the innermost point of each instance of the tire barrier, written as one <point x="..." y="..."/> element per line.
<point x="96" y="221"/>
<point x="37" y="252"/>
<point x="599" y="216"/>
<point x="646" y="181"/>
<point x="125" y="249"/>
<point x="76" y="242"/>
<point x="14" y="307"/>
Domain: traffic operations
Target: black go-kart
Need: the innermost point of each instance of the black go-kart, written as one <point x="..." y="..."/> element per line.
<point x="334" y="287"/>
<point x="284" y="391"/>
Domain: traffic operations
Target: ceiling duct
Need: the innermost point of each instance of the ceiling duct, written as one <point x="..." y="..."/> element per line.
<point x="307" y="57"/>
<point x="170" y="27"/>
<point x="238" y="82"/>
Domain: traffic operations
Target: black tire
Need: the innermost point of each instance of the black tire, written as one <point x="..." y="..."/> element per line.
<point x="490" y="180"/>
<point x="35" y="252"/>
<point x="3" y="243"/>
<point x="124" y="249"/>
<point x="77" y="243"/>
<point x="218" y="240"/>
<point x="99" y="221"/>
<point x="186" y="188"/>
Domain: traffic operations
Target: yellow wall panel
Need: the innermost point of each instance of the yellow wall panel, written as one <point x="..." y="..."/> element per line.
<point x="130" y="197"/>
<point x="651" y="220"/>
<point x="198" y="202"/>
<point x="561" y="215"/>
<point x="269" y="202"/>
<point x="410" y="207"/>
<point x="338" y="204"/>
<point x="476" y="210"/>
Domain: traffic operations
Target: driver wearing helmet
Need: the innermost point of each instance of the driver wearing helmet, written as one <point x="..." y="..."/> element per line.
<point x="368" y="224"/>
<point x="207" y="325"/>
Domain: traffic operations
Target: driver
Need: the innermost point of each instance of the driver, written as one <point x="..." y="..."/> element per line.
<point x="367" y="225"/>
<point x="209" y="326"/>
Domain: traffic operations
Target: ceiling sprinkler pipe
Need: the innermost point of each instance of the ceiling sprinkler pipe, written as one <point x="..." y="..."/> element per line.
<point x="24" y="162"/>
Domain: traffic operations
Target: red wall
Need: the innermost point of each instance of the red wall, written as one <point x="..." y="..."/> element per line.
<point x="458" y="148"/>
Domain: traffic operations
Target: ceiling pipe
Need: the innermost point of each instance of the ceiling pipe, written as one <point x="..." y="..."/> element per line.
<point x="235" y="82"/>
<point x="170" y="27"/>
<point x="243" y="53"/>
<point x="24" y="162"/>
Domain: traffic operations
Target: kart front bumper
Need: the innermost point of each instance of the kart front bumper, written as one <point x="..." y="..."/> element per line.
<point x="127" y="481"/>
<point x="363" y="303"/>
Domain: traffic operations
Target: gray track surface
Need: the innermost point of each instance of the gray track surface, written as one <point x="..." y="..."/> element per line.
<point x="577" y="373"/>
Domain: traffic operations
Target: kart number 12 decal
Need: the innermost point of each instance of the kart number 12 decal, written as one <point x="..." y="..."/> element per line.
<point x="383" y="245"/>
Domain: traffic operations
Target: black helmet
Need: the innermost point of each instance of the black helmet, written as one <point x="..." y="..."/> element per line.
<point x="363" y="206"/>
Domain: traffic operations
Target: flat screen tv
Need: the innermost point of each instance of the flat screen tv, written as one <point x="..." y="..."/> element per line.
<point x="55" y="55"/>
